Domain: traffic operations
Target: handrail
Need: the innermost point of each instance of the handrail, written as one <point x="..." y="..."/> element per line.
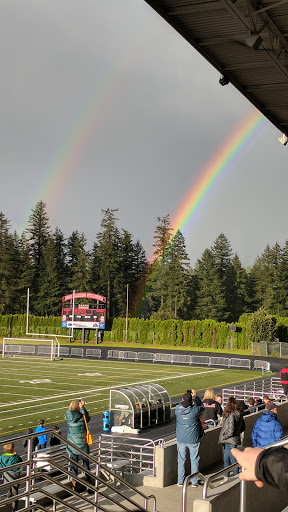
<point x="31" y="476"/>
<point x="208" y="480"/>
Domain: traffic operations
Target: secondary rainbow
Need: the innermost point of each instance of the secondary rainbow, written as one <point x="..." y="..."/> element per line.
<point x="220" y="164"/>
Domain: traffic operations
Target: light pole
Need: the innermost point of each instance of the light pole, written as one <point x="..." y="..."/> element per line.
<point x="127" y="307"/>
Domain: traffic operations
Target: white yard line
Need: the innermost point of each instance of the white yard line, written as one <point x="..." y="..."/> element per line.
<point x="129" y="384"/>
<point x="70" y="364"/>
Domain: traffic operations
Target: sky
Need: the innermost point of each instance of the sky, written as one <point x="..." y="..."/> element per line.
<point x="104" y="105"/>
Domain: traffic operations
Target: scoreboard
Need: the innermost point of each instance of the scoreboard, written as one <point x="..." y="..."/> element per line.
<point x="83" y="311"/>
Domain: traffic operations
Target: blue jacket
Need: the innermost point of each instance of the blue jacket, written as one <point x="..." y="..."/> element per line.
<point x="267" y="430"/>
<point x="189" y="428"/>
<point x="42" y="438"/>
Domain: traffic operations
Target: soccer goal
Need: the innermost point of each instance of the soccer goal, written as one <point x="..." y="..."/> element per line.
<point x="19" y="346"/>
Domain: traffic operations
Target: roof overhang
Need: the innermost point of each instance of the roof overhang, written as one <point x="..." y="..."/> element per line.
<point x="245" y="40"/>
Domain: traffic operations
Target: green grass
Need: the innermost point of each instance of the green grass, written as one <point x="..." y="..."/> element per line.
<point x="34" y="388"/>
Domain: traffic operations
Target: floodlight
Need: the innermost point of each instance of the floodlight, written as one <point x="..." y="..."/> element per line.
<point x="283" y="139"/>
<point x="223" y="80"/>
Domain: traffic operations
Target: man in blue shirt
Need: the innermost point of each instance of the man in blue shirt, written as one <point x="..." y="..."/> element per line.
<point x="42" y="438"/>
<point x="189" y="431"/>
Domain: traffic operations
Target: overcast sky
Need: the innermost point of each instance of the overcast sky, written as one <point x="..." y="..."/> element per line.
<point x="104" y="105"/>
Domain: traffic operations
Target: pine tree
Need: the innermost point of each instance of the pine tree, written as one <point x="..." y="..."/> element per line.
<point x="108" y="253"/>
<point x="241" y="300"/>
<point x="50" y="289"/>
<point x="22" y="276"/>
<point x="223" y="254"/>
<point x="78" y="263"/>
<point x="125" y="273"/>
<point x="61" y="261"/>
<point x="6" y="268"/>
<point x="269" y="280"/>
<point x="178" y="276"/>
<point x="168" y="289"/>
<point x="37" y="235"/>
<point x="211" y="300"/>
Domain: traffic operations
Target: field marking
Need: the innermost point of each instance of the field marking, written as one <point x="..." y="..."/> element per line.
<point x="167" y="378"/>
<point x="89" y="362"/>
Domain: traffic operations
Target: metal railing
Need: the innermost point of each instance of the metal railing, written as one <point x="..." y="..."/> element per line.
<point x="35" y="481"/>
<point x="256" y="389"/>
<point x="137" y="453"/>
<point x="160" y="357"/>
<point x="207" y="481"/>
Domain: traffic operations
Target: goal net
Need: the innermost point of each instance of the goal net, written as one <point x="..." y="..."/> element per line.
<point x="26" y="347"/>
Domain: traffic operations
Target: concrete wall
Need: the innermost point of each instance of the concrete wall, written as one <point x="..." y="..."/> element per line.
<point x="210" y="453"/>
<point x="265" y="499"/>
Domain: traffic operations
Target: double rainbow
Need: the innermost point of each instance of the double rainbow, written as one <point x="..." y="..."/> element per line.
<point x="210" y="176"/>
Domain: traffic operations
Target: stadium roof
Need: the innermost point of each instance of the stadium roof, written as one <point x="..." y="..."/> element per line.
<point x="245" y="40"/>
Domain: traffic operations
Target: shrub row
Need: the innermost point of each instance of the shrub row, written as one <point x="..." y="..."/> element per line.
<point x="192" y="333"/>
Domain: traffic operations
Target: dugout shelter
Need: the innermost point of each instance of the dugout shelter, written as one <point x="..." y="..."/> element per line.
<point x="139" y="406"/>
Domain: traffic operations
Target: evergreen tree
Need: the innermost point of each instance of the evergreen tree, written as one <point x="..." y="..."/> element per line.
<point x="37" y="234"/>
<point x="78" y="263"/>
<point x="139" y="276"/>
<point x="61" y="261"/>
<point x="178" y="277"/>
<point x="125" y="273"/>
<point x="158" y="282"/>
<point x="108" y="253"/>
<point x="240" y="301"/>
<point x="211" y="299"/>
<point x="6" y="267"/>
<point x="168" y="287"/>
<point x="50" y="289"/>
<point x="22" y="276"/>
<point x="268" y="274"/>
<point x="223" y="253"/>
<point x="94" y="271"/>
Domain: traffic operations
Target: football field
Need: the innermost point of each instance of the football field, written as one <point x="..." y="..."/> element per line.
<point x="35" y="388"/>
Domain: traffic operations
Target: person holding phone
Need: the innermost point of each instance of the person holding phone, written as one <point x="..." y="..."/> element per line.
<point x="77" y="435"/>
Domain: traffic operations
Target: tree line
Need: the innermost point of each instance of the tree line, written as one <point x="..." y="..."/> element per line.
<point x="52" y="265"/>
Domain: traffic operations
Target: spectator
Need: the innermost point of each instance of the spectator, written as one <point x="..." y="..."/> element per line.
<point x="212" y="408"/>
<point x="189" y="431"/>
<point x="35" y="440"/>
<point x="219" y="400"/>
<point x="42" y="438"/>
<point x="266" y="399"/>
<point x="264" y="466"/>
<point x="9" y="458"/>
<point x="55" y="441"/>
<point x="259" y="404"/>
<point x="243" y="405"/>
<point x="267" y="428"/>
<point x="77" y="436"/>
<point x="251" y="406"/>
<point x="284" y="380"/>
<point x="232" y="427"/>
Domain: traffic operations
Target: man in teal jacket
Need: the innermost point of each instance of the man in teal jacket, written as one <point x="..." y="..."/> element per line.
<point x="8" y="460"/>
<point x="189" y="431"/>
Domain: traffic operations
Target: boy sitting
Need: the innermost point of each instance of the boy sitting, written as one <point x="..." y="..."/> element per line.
<point x="9" y="458"/>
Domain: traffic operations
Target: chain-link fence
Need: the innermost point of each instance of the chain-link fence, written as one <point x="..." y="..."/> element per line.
<point x="269" y="348"/>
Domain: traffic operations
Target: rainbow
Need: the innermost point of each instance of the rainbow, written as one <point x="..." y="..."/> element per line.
<point x="225" y="158"/>
<point x="221" y="163"/>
